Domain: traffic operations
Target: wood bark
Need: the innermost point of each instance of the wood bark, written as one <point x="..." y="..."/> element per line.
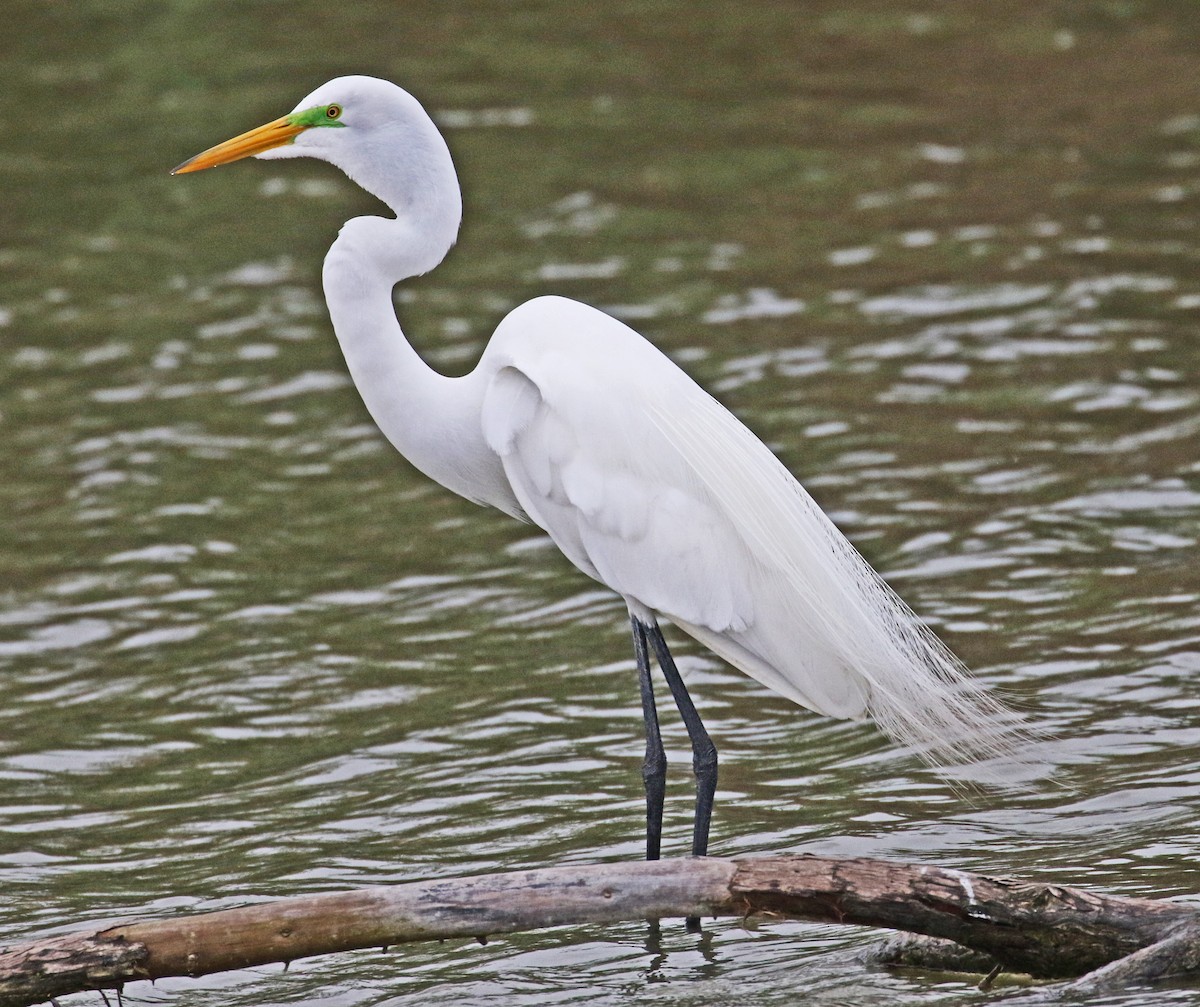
<point x="1047" y="931"/>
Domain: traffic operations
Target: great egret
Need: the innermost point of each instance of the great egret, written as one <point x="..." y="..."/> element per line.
<point x="573" y="421"/>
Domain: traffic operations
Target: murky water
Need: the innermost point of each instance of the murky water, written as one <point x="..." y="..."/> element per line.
<point x="943" y="259"/>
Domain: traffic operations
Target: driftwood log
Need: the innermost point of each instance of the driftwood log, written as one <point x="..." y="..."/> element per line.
<point x="1045" y="931"/>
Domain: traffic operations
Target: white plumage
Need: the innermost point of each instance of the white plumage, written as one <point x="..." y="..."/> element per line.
<point x="661" y="493"/>
<point x="645" y="482"/>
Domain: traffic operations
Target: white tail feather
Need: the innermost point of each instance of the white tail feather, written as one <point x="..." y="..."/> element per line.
<point x="835" y="629"/>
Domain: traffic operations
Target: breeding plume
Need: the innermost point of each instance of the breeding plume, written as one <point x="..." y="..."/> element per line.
<point x="574" y="422"/>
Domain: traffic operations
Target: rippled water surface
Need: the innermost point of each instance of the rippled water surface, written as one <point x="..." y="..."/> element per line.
<point x="942" y="257"/>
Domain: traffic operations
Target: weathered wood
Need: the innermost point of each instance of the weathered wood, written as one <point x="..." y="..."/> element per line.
<point x="428" y="910"/>
<point x="1045" y="930"/>
<point x="930" y="954"/>
<point x="1177" y="954"/>
<point x="53" y="966"/>
<point x="287" y="929"/>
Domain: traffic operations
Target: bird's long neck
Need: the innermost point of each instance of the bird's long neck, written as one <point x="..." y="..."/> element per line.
<point x="432" y="419"/>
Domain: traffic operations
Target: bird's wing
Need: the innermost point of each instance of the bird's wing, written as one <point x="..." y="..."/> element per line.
<point x="607" y="494"/>
<point x="651" y="486"/>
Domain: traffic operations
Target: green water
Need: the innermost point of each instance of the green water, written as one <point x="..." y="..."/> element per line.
<point x="942" y="257"/>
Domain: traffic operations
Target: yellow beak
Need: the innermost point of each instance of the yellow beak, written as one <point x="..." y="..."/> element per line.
<point x="272" y="134"/>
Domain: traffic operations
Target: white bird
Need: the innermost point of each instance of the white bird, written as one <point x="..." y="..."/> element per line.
<point x="573" y="421"/>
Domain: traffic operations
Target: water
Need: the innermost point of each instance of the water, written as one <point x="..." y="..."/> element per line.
<point x="941" y="259"/>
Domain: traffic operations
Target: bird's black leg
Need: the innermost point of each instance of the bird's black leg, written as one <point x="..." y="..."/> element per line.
<point x="654" y="767"/>
<point x="704" y="752"/>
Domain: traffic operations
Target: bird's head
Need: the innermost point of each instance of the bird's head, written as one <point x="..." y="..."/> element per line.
<point x="374" y="131"/>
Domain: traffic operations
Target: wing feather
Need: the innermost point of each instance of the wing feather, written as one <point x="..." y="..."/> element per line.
<point x="829" y="603"/>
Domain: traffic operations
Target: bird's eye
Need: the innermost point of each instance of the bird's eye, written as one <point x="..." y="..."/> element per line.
<point x="333" y="111"/>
